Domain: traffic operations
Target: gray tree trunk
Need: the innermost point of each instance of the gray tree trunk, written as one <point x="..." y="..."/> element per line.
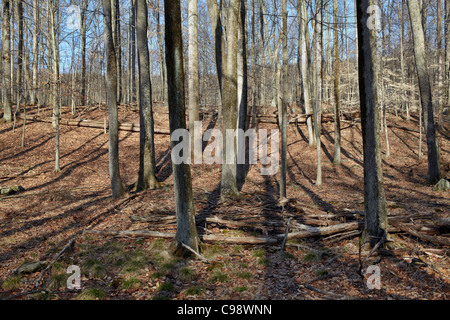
<point x="318" y="93"/>
<point x="6" y="49"/>
<point x="111" y="87"/>
<point x="337" y="97"/>
<point x="184" y="206"/>
<point x="425" y="91"/>
<point x="374" y="197"/>
<point x="146" y="174"/>
<point x="307" y="82"/>
<point x="229" y="105"/>
<point x="284" y="82"/>
<point x="193" y="76"/>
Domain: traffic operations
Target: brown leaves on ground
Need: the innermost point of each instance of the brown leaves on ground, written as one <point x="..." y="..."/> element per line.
<point x="37" y="223"/>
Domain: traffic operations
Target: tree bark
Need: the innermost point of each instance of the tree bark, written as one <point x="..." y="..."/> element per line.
<point x="337" y="98"/>
<point x="6" y="49"/>
<point x="111" y="87"/>
<point x="318" y="92"/>
<point x="146" y="174"/>
<point x="425" y="91"/>
<point x="229" y="105"/>
<point x="284" y="71"/>
<point x="374" y="197"/>
<point x="193" y="75"/>
<point x="184" y="206"/>
<point x="307" y="82"/>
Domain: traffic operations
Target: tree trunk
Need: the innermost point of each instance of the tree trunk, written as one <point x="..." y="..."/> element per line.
<point x="318" y="92"/>
<point x="184" y="207"/>
<point x="305" y="61"/>
<point x="111" y="87"/>
<point x="425" y="91"/>
<point x="374" y="198"/>
<point x="146" y="175"/>
<point x="193" y="77"/>
<point x="284" y="82"/>
<point x="83" y="29"/>
<point x="6" y="49"/>
<point x="242" y="106"/>
<point x="337" y="98"/>
<point x="34" y="75"/>
<point x="229" y="104"/>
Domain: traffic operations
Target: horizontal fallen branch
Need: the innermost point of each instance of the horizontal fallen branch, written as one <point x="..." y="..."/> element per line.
<point x="307" y="232"/>
<point x="433" y="239"/>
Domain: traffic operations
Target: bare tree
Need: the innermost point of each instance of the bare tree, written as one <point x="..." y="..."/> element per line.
<point x="146" y="179"/>
<point x="186" y="233"/>
<point x="193" y="71"/>
<point x="283" y="116"/>
<point x="337" y="97"/>
<point x="229" y="105"/>
<point x="425" y="91"/>
<point x="374" y="197"/>
<point x="111" y="87"/>
<point x="6" y="61"/>
<point x="305" y="67"/>
<point x="318" y="93"/>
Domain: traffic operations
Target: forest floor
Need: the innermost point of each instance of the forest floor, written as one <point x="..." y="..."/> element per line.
<point x="76" y="203"/>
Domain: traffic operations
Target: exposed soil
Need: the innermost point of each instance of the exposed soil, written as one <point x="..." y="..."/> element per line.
<point x="37" y="223"/>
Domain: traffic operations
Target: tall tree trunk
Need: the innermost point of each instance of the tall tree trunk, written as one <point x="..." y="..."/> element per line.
<point x="83" y="30"/>
<point x="337" y="98"/>
<point x="214" y="12"/>
<point x="318" y="92"/>
<point x="229" y="104"/>
<point x="374" y="197"/>
<point x="118" y="47"/>
<point x="111" y="87"/>
<point x="6" y="61"/>
<point x="307" y="80"/>
<point x="425" y="91"/>
<point x="447" y="50"/>
<point x="34" y="75"/>
<point x="146" y="175"/>
<point x="132" y="52"/>
<point x="193" y="77"/>
<point x="283" y="115"/>
<point x="184" y="206"/>
<point x="242" y="82"/>
<point x="52" y="7"/>
<point x="440" y="68"/>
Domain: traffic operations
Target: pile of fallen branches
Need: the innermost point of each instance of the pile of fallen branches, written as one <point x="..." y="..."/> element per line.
<point x="280" y="225"/>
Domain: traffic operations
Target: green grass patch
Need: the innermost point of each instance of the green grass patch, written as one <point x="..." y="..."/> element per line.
<point x="194" y="290"/>
<point x="92" y="294"/>
<point x="11" y="283"/>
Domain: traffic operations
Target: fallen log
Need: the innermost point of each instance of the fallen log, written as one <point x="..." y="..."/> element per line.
<point x="323" y="231"/>
<point x="203" y="237"/>
<point x="433" y="239"/>
<point x="308" y="232"/>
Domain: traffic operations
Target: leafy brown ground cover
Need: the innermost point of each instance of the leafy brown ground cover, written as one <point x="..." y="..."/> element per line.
<point x="36" y="224"/>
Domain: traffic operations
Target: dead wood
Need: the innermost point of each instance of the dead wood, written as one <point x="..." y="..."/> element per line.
<point x="434" y="239"/>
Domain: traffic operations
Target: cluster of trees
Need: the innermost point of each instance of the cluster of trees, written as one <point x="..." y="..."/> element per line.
<point x="249" y="54"/>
